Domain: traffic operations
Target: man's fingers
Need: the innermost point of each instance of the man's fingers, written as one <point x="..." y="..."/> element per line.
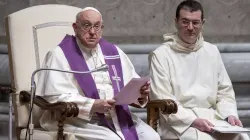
<point x="144" y="88"/>
<point x="106" y="108"/>
<point x="207" y="127"/>
<point x="238" y="122"/>
<point x="209" y="123"/>
<point x="111" y="102"/>
<point x="231" y="120"/>
<point x="145" y="92"/>
<point x="148" y="82"/>
<point x="234" y="121"/>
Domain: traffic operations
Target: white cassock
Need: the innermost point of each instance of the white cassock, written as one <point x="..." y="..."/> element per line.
<point x="56" y="86"/>
<point x="197" y="80"/>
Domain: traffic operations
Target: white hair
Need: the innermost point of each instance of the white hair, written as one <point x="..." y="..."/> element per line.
<point x="86" y="9"/>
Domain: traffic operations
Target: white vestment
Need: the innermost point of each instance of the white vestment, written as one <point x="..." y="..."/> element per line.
<point x="56" y="86"/>
<point x="198" y="82"/>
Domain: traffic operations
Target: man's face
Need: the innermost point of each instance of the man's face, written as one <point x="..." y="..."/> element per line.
<point x="88" y="28"/>
<point x="189" y="25"/>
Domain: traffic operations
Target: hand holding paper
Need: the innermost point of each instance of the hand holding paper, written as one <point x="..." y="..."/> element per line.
<point x="131" y="92"/>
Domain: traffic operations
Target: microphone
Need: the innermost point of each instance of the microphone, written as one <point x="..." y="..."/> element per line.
<point x="103" y="67"/>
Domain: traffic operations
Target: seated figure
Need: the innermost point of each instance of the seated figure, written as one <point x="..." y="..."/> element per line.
<point x="190" y="71"/>
<point x="99" y="117"/>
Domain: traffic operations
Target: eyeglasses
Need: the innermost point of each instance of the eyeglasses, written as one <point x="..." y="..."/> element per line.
<point x="88" y="26"/>
<point x="195" y="23"/>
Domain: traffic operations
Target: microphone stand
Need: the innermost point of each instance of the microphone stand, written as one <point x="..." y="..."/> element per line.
<point x="33" y="88"/>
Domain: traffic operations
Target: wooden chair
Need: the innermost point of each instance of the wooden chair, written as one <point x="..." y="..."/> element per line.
<point x="31" y="33"/>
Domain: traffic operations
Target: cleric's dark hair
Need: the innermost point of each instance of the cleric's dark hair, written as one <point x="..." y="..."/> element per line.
<point x="190" y="5"/>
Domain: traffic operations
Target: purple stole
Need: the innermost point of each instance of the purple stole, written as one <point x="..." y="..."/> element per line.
<point x="77" y="63"/>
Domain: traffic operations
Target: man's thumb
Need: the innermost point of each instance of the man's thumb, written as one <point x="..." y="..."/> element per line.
<point x="111" y="101"/>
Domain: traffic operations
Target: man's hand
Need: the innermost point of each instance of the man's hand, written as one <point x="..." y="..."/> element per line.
<point x="145" y="89"/>
<point x="102" y="106"/>
<point x="202" y="125"/>
<point x="234" y="121"/>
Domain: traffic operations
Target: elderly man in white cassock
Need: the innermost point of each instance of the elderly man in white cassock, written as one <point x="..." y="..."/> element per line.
<point x="99" y="118"/>
<point x="190" y="71"/>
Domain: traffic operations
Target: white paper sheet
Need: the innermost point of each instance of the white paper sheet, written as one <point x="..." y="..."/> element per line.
<point x="230" y="129"/>
<point x="131" y="92"/>
<point x="225" y="127"/>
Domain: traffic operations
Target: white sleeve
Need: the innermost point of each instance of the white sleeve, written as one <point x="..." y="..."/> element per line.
<point x="226" y="103"/>
<point x="59" y="86"/>
<point x="161" y="89"/>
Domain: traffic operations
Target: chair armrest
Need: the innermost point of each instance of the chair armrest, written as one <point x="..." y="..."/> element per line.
<point x="66" y="109"/>
<point x="154" y="107"/>
<point x="69" y="109"/>
<point x="7" y="90"/>
<point x="167" y="106"/>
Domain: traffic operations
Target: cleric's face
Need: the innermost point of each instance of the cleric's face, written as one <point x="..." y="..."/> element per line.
<point x="189" y="25"/>
<point x="88" y="28"/>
